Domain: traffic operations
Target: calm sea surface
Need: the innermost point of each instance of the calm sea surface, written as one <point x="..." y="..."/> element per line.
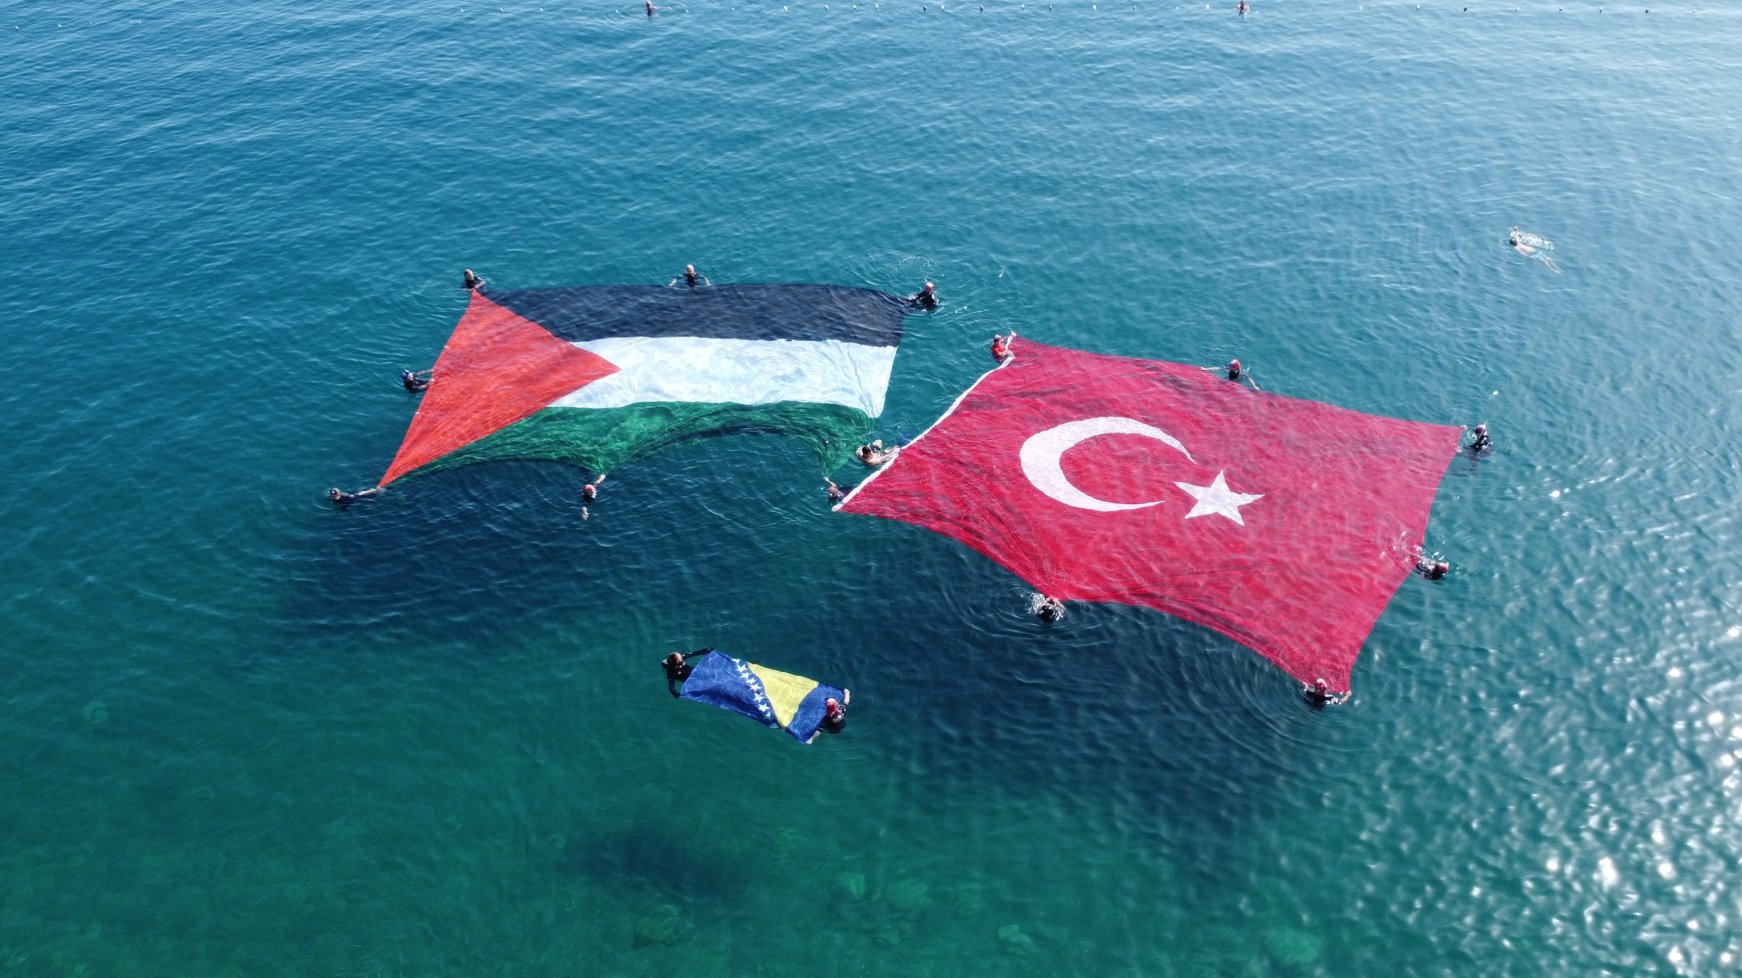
<point x="243" y="734"/>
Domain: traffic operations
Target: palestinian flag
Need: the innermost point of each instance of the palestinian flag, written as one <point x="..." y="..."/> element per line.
<point x="603" y="375"/>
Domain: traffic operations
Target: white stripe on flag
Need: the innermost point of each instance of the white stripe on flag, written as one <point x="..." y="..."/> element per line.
<point x="696" y="369"/>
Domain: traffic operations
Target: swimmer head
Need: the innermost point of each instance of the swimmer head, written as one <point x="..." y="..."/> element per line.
<point x="1481" y="429"/>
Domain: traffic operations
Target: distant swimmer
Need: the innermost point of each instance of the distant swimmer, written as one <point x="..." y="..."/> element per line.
<point x="340" y="498"/>
<point x="834" y="491"/>
<point x="473" y="282"/>
<point x="416" y="380"/>
<point x="1479" y="440"/>
<point x="1242" y="8"/>
<point x="651" y="9"/>
<point x="678" y="669"/>
<point x="1318" y="693"/>
<point x="926" y="298"/>
<point x="590" y="491"/>
<point x="1000" y="347"/>
<point x="875" y="454"/>
<point x="1532" y="246"/>
<point x="834" y="717"/>
<point x="1431" y="568"/>
<point x="1049" y="609"/>
<point x="690" y="278"/>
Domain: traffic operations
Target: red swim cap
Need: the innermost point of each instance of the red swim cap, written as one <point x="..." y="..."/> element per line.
<point x="831" y="704"/>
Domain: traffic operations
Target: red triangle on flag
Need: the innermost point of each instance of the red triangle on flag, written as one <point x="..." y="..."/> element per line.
<point x="497" y="369"/>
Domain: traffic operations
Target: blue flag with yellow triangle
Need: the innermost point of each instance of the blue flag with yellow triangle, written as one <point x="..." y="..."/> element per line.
<point x="779" y="699"/>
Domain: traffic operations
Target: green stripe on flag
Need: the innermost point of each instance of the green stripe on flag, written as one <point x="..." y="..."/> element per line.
<point x="602" y="440"/>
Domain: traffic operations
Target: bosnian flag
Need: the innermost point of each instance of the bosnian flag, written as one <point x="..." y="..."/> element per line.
<point x="1284" y="524"/>
<point x="602" y="375"/>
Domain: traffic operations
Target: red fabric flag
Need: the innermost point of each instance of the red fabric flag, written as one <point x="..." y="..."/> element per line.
<point x="1284" y="524"/>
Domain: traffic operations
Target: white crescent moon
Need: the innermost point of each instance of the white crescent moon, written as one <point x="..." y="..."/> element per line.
<point x="1041" y="454"/>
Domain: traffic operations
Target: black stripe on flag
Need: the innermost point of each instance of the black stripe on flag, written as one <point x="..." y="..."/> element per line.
<point x="747" y="312"/>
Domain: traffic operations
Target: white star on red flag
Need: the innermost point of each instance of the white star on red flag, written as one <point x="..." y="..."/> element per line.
<point x="1218" y="499"/>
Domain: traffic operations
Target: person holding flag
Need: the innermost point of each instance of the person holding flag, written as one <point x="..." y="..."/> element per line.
<point x="678" y="668"/>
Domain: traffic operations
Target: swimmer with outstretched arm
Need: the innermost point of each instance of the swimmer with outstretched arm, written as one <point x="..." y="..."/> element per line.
<point x="340" y="498"/>
<point x="1318" y="694"/>
<point x="690" y="277"/>
<point x="678" y="669"/>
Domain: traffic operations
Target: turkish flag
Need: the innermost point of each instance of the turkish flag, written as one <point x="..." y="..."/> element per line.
<point x="1284" y="524"/>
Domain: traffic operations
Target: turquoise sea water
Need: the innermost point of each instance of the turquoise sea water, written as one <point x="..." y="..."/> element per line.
<point x="244" y="734"/>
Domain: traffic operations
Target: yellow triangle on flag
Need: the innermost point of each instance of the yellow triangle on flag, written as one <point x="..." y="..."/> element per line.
<point x="785" y="691"/>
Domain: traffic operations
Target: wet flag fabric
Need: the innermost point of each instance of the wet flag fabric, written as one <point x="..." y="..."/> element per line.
<point x="779" y="699"/>
<point x="603" y="375"/>
<point x="1284" y="524"/>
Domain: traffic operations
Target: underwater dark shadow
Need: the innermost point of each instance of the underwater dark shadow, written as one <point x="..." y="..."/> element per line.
<point x="1114" y="707"/>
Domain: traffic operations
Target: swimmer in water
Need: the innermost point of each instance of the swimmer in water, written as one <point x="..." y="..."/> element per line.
<point x="875" y="454"/>
<point x="1479" y="440"/>
<point x="834" y="716"/>
<point x="926" y="298"/>
<point x="342" y="499"/>
<point x="1240" y="375"/>
<point x="690" y="278"/>
<point x="1431" y="568"/>
<point x="834" y="491"/>
<point x="1001" y="346"/>
<point x="1522" y="242"/>
<point x="416" y="380"/>
<point x="1318" y="694"/>
<point x="651" y="9"/>
<point x="473" y="282"/>
<point x="1049" y="609"/>
<point x="677" y="669"/>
